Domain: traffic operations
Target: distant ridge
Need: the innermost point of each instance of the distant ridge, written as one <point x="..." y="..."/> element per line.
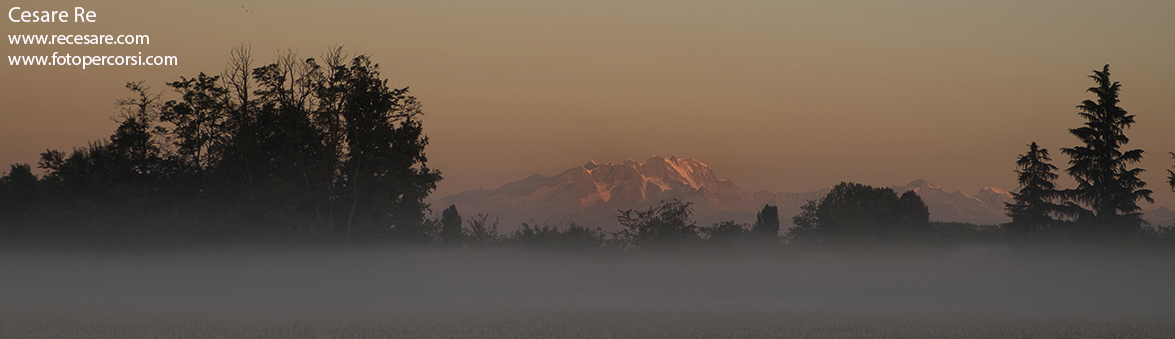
<point x="592" y="194"/>
<point x="985" y="208"/>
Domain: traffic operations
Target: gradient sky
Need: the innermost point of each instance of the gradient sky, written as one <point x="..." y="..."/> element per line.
<point x="777" y="95"/>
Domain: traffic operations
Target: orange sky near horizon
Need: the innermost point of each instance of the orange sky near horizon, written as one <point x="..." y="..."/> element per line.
<point x="777" y="95"/>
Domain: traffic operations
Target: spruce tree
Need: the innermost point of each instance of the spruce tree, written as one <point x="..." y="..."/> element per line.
<point x="1035" y="204"/>
<point x="1104" y="183"/>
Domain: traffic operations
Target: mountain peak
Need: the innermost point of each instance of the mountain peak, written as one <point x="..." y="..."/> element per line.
<point x="920" y="183"/>
<point x="594" y="192"/>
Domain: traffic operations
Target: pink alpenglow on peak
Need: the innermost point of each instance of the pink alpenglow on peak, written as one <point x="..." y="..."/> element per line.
<point x="591" y="195"/>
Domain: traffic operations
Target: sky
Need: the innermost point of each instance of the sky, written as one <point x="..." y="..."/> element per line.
<point x="776" y="95"/>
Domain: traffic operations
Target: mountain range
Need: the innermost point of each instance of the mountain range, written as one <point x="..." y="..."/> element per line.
<point x="592" y="195"/>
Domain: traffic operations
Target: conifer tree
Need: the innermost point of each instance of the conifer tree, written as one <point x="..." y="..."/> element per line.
<point x="1035" y="204"/>
<point x="1105" y="185"/>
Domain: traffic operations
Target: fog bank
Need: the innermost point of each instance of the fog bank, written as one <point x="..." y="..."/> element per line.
<point x="374" y="282"/>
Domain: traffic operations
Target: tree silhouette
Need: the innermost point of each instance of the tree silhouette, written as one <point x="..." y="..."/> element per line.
<point x="450" y="226"/>
<point x="199" y="120"/>
<point x="1104" y="183"/>
<point x="667" y="224"/>
<point x="480" y="231"/>
<point x="1034" y="205"/>
<point x="18" y="191"/>
<point x="914" y="214"/>
<point x="852" y="212"/>
<point x="767" y="222"/>
<point x="570" y="237"/>
<point x="726" y="235"/>
<point x="135" y="139"/>
<point x="1171" y="175"/>
<point x="290" y="148"/>
<point x="384" y="177"/>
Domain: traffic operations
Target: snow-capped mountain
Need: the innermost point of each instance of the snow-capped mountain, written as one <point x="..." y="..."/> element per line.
<point x="593" y="193"/>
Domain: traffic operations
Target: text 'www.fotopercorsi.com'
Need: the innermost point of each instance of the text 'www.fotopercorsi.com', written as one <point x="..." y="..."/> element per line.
<point x="78" y="15"/>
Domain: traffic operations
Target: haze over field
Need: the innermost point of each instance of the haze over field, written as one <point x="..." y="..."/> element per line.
<point x="965" y="292"/>
<point x="785" y="97"/>
<point x="299" y="205"/>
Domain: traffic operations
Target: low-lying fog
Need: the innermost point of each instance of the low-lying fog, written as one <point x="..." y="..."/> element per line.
<point x="371" y="284"/>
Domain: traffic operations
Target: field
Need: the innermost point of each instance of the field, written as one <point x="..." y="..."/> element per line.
<point x="978" y="292"/>
<point x="620" y="324"/>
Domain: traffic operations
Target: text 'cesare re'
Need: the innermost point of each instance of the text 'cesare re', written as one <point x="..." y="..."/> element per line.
<point x="79" y="15"/>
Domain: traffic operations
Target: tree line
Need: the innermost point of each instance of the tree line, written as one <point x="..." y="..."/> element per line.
<point x="315" y="147"/>
<point x="666" y="225"/>
<point x="1104" y="205"/>
<point x="850" y="214"/>
<point x="322" y="149"/>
